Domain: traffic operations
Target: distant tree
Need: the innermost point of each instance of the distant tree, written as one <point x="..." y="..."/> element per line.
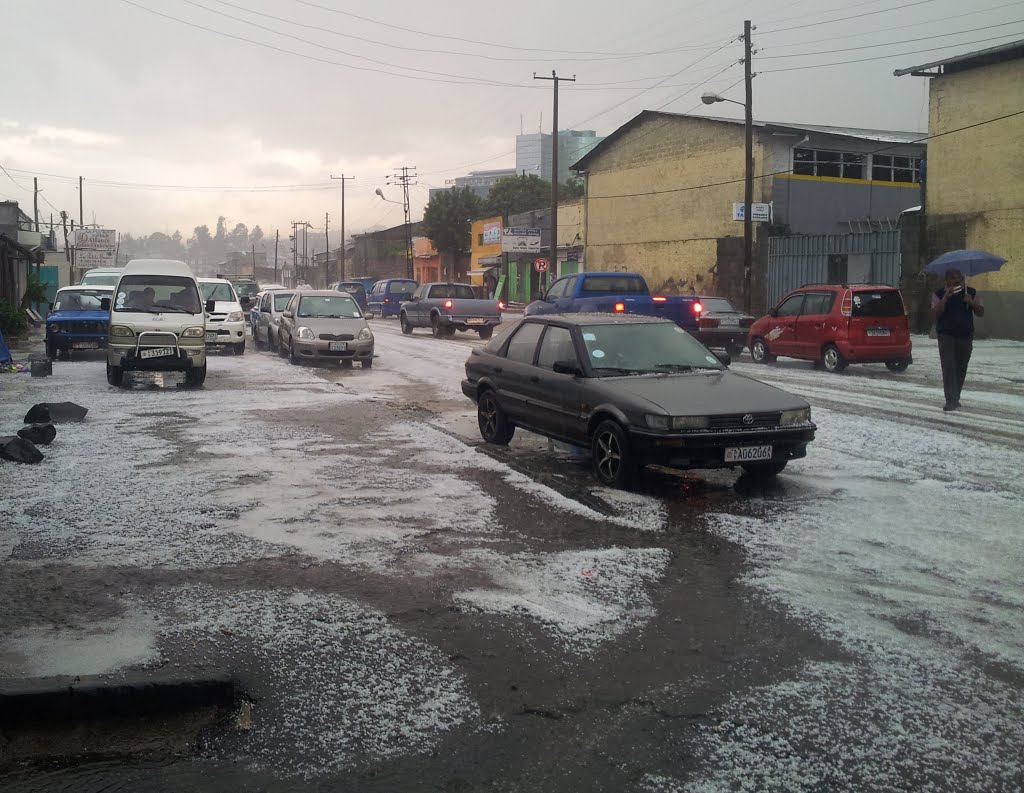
<point x="238" y="238"/>
<point x="256" y="236"/>
<point x="222" y="229"/>
<point x="572" y="188"/>
<point x="515" y="194"/>
<point x="447" y="220"/>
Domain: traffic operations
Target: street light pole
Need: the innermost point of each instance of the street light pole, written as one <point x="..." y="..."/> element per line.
<point x="553" y="220"/>
<point x="748" y="167"/>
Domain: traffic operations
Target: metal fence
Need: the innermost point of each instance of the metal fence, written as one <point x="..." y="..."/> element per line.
<point x="794" y="261"/>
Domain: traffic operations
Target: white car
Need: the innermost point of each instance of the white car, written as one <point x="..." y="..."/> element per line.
<point x="102" y="276"/>
<point x="225" y="326"/>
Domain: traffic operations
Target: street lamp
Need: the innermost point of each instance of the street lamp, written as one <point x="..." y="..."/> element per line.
<point x="710" y="98"/>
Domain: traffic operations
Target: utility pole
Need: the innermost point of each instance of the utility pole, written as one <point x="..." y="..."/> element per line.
<point x="327" y="249"/>
<point x="553" y="222"/>
<point x="81" y="204"/>
<point x="295" y="251"/>
<point x="405" y="177"/>
<point x="74" y="250"/>
<point x="748" y="168"/>
<point x="343" y="179"/>
<point x="67" y="249"/>
<point x="277" y="236"/>
<point x="254" y="278"/>
<point x="35" y="199"/>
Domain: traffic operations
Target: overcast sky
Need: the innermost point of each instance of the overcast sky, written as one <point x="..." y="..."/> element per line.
<point x="113" y="92"/>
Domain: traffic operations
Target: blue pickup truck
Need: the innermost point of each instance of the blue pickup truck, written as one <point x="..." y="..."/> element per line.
<point x="611" y="293"/>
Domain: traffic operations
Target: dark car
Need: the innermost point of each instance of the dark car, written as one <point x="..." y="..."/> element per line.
<point x="77" y="320"/>
<point x="836" y="325"/>
<point x="354" y="288"/>
<point x="635" y="390"/>
<point x="721" y="326"/>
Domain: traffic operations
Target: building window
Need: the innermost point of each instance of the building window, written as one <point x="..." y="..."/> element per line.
<point x="818" y="162"/>
<point x="890" y="168"/>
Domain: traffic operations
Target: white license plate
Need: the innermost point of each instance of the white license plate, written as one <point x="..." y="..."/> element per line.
<point x="730" y="321"/>
<point x="211" y="337"/>
<point x="746" y="454"/>
<point x="337" y="346"/>
<point x="475" y="321"/>
<point x="878" y="331"/>
<point x="156" y="352"/>
<point x="85" y="345"/>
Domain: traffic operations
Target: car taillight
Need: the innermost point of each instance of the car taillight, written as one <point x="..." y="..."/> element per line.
<point x="501" y="305"/>
<point x="387" y="300"/>
<point x="620" y="308"/>
<point x="659" y="299"/>
<point x="846" y="308"/>
<point x="448" y="304"/>
<point x="707" y="322"/>
<point x="697" y="308"/>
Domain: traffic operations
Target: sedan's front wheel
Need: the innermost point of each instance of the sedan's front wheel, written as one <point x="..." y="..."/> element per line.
<point x="406" y="327"/>
<point x="494" y="424"/>
<point x="614" y="461"/>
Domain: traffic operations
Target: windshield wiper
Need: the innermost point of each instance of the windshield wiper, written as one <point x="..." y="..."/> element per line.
<point x="673" y="367"/>
<point x="616" y="370"/>
<point x="163" y="307"/>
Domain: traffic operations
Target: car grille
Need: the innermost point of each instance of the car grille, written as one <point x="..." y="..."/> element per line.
<point x="216" y="317"/>
<point x="745" y="421"/>
<point x="158" y="340"/>
<point x="336" y="337"/>
<point x="83" y="326"/>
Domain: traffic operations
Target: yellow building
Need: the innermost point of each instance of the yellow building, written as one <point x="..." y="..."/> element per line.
<point x="975" y="172"/>
<point x="485" y="250"/>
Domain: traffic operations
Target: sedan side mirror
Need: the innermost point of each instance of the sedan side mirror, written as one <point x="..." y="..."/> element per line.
<point x="287" y="315"/>
<point x="724" y="357"/>
<point x="567" y="367"/>
<point x="210" y="306"/>
<point x="105" y="304"/>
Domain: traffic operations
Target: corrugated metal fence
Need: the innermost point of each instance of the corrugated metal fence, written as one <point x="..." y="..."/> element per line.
<point x="793" y="261"/>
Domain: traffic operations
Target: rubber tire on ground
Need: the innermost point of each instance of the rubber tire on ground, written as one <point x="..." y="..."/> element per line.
<point x="832" y="360"/>
<point x="64" y="355"/>
<point x="281" y="351"/>
<point x="115" y="375"/>
<point x="51" y="351"/>
<point x="346" y="363"/>
<point x="270" y="341"/>
<point x="435" y="327"/>
<point x="491" y="419"/>
<point x="759" y="352"/>
<point x="195" y="376"/>
<point x="897" y="366"/>
<point x="735" y="351"/>
<point x="406" y="327"/>
<point x="764" y="470"/>
<point x="367" y="363"/>
<point x="292" y="359"/>
<point x="485" y="333"/>
<point x="613" y="459"/>
<point x="240" y="349"/>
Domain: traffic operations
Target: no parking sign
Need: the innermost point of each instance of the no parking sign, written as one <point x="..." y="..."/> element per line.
<point x="541" y="265"/>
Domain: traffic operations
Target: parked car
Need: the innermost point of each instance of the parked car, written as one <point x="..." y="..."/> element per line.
<point x="325" y="325"/>
<point x="614" y="293"/>
<point x="635" y="390"/>
<point x="836" y="325"/>
<point x="225" y="327"/>
<point x="446" y="308"/>
<point x="157" y="321"/>
<point x="77" y="320"/>
<point x="246" y="289"/>
<point x="354" y="288"/>
<point x="386" y="297"/>
<point x="722" y="326"/>
<point x="101" y="276"/>
<point x="271" y="305"/>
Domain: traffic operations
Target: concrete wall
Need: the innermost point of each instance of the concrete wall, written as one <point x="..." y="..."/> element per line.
<point x="975" y="182"/>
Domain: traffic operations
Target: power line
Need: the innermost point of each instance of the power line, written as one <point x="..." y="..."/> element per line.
<point x="843" y="19"/>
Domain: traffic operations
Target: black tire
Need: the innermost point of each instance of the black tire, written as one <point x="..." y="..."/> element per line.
<point x="485" y="333"/>
<point x="367" y="363"/>
<point x="346" y="363"/>
<point x="64" y="354"/>
<point x="897" y="366"/>
<point x="51" y="351"/>
<point x="195" y="376"/>
<point x="492" y="421"/>
<point x="832" y="360"/>
<point x="613" y="458"/>
<point x="271" y="345"/>
<point x="735" y="350"/>
<point x="115" y="375"/>
<point x="404" y="321"/>
<point x="436" y="328"/>
<point x="764" y="470"/>
<point x="281" y="351"/>
<point x="240" y="348"/>
<point x="759" y="351"/>
<point x="292" y="359"/>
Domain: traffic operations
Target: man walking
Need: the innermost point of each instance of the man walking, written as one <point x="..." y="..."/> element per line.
<point x="954" y="307"/>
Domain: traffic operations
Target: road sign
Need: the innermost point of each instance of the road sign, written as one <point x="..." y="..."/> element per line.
<point x="95" y="239"/>
<point x="520" y="240"/>
<point x="541" y="265"/>
<point x="759" y="213"/>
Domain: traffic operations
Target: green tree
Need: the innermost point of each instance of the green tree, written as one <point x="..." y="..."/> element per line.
<point x="571" y="188"/>
<point x="515" y="194"/>
<point x="447" y="219"/>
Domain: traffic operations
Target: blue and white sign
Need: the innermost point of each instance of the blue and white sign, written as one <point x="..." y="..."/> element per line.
<point x="759" y="213"/>
<point x="520" y="240"/>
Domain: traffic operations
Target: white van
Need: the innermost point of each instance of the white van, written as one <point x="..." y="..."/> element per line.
<point x="157" y="322"/>
<point x="101" y="276"/>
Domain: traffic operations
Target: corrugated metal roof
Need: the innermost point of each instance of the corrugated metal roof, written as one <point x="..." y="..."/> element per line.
<point x="968" y="60"/>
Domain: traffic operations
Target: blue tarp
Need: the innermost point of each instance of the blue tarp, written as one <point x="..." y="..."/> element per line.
<point x="5" y="353"/>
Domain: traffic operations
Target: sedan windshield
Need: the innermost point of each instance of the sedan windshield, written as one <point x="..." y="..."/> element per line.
<point x="218" y="291"/>
<point x="329" y="307"/>
<point x="718" y="305"/>
<point x="642" y="348"/>
<point x="157" y="293"/>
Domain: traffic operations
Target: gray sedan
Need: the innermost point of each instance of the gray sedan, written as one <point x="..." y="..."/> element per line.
<point x="635" y="390"/>
<point x="324" y="325"/>
<point x="271" y="304"/>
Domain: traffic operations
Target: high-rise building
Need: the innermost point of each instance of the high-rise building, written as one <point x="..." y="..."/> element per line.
<point x="533" y="152"/>
<point x="480" y="182"/>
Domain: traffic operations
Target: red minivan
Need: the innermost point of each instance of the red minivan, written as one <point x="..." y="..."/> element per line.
<point x="836" y="325"/>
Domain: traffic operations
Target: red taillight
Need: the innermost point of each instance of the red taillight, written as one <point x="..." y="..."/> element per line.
<point x="707" y="322"/>
<point x="620" y="308"/>
<point x="387" y="300"/>
<point x="846" y="308"/>
<point x="448" y="304"/>
<point x="697" y="308"/>
<point x="501" y="305"/>
<point x="659" y="299"/>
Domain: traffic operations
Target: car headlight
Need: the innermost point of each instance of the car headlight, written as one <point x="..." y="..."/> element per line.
<point x="121" y="330"/>
<point x="235" y="316"/>
<point x="193" y="333"/>
<point x="658" y="422"/>
<point x="365" y="335"/>
<point x="54" y="328"/>
<point x="791" y="417"/>
<point x="690" y="422"/>
<point x="305" y="333"/>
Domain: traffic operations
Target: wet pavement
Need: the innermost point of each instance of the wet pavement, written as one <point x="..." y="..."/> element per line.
<point x="408" y="609"/>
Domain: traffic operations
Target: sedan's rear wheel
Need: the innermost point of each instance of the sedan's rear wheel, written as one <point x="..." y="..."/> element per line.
<point x="436" y="328"/>
<point x="897" y="366"/>
<point x="759" y="352"/>
<point x="614" y="461"/>
<point x="494" y="424"/>
<point x="406" y="327"/>
<point x="832" y="359"/>
<point x="486" y="333"/>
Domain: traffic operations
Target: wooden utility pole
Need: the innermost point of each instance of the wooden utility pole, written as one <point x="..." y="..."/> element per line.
<point x="404" y="176"/>
<point x="35" y="199"/>
<point x="327" y="249"/>
<point x="553" y="222"/>
<point x="81" y="203"/>
<point x="277" y="236"/>
<point x="254" y="278"/>
<point x="343" y="179"/>
<point x="748" y="169"/>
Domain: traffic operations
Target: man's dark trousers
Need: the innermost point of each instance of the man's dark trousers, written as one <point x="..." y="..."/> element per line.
<point x="954" y="354"/>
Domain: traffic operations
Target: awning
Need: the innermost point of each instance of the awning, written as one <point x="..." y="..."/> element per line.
<point x="481" y="271"/>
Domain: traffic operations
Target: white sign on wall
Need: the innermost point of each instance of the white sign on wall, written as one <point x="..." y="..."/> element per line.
<point x="84" y="257"/>
<point x="96" y="239"/>
<point x="520" y="240"/>
<point x="759" y="213"/>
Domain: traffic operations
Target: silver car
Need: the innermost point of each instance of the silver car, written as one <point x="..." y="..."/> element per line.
<point x="268" y="311"/>
<point x="324" y="325"/>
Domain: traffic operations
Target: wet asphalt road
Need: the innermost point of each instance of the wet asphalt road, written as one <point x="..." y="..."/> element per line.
<point x="405" y="608"/>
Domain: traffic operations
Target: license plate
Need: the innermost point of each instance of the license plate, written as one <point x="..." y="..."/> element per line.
<point x="85" y="345"/>
<point x="746" y="454"/>
<point x="156" y="352"/>
<point x="211" y="337"/>
<point x="878" y="331"/>
<point x="475" y="321"/>
<point x="337" y="346"/>
<point x="730" y="321"/>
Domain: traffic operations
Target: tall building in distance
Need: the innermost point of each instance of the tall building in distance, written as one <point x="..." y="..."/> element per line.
<point x="480" y="182"/>
<point x="533" y="152"/>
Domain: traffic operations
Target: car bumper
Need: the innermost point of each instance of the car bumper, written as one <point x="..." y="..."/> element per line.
<point x="468" y="323"/>
<point x="723" y="337"/>
<point x="320" y="350"/>
<point x="127" y="358"/>
<point x="707" y="450"/>
<point x="875" y="353"/>
<point x="469" y="389"/>
<point x="226" y="333"/>
<point x="79" y="341"/>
